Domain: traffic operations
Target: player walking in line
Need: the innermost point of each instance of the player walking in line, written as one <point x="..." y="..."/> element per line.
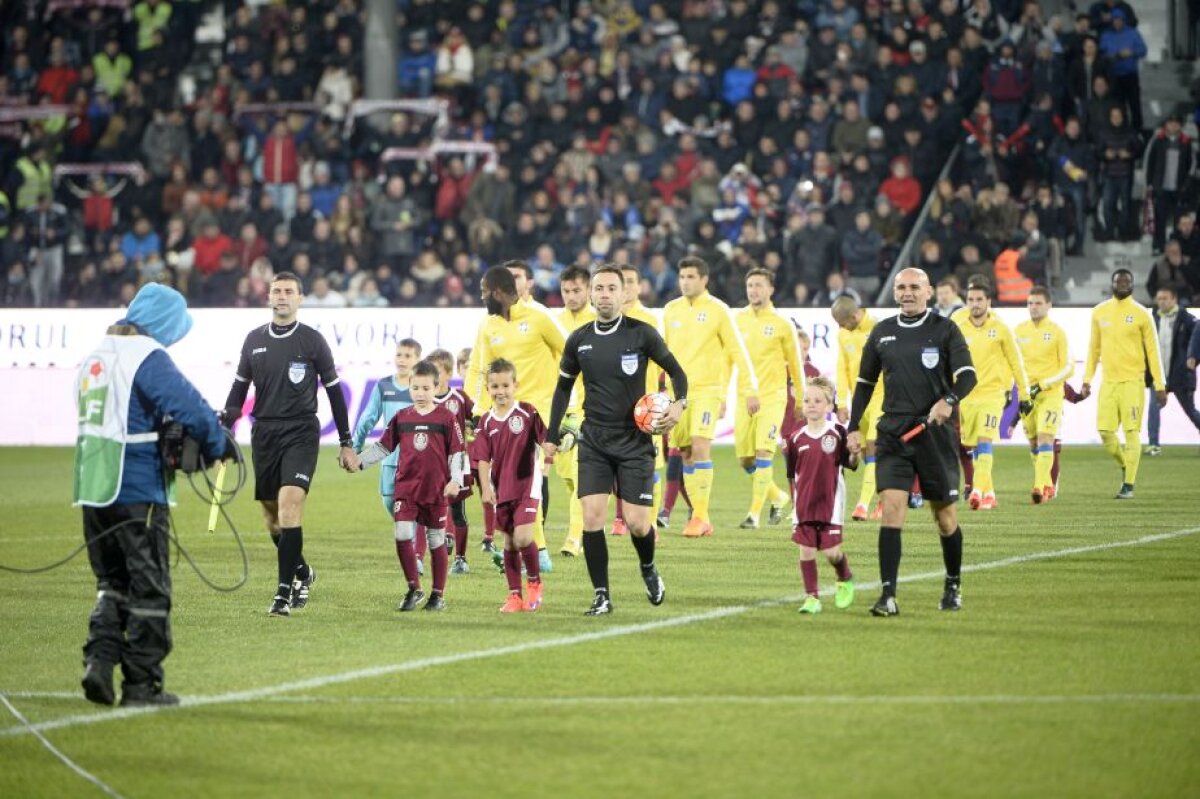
<point x="1043" y="346"/>
<point x="389" y="396"/>
<point x="926" y="368"/>
<point x="431" y="468"/>
<point x="612" y="354"/>
<point x="815" y="454"/>
<point x="854" y="325"/>
<point x="576" y="312"/>
<point x="632" y="283"/>
<point x="525" y="334"/>
<point x="770" y="341"/>
<point x="510" y="479"/>
<point x="283" y="360"/>
<point x="701" y="333"/>
<point x="463" y="364"/>
<point x="998" y="363"/>
<point x="463" y="409"/>
<point x="1123" y="340"/>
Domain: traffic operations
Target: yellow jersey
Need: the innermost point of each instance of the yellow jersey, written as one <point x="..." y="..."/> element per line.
<point x="774" y="350"/>
<point x="994" y="353"/>
<point x="702" y="336"/>
<point x="850" y="350"/>
<point x="1124" y="338"/>
<point x="533" y="341"/>
<point x="1043" y="348"/>
<point x="569" y="321"/>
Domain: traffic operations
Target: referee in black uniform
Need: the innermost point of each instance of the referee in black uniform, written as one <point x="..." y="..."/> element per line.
<point x="926" y="370"/>
<point x="283" y="360"/>
<point x="612" y="354"/>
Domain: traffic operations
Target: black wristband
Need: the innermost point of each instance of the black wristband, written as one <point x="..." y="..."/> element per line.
<point x="345" y="441"/>
<point x="950" y="399"/>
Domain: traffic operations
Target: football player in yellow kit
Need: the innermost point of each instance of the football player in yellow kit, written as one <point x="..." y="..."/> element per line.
<point x="1043" y="346"/>
<point x="573" y="285"/>
<point x="1125" y="341"/>
<point x="700" y="332"/>
<point x="770" y="339"/>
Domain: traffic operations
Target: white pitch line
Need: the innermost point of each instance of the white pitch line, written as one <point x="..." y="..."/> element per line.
<point x="54" y="750"/>
<point x="785" y="699"/>
<point x="311" y="683"/>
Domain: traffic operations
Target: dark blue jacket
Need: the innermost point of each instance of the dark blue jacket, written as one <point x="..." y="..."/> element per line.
<point x="1183" y="339"/>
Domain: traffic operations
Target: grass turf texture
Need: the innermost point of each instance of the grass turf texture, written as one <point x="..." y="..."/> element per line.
<point x="1071" y="676"/>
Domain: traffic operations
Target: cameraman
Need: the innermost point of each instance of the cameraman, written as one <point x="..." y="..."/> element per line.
<point x="125" y="389"/>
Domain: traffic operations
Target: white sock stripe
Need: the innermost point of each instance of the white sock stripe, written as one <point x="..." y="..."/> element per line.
<point x="311" y="683"/>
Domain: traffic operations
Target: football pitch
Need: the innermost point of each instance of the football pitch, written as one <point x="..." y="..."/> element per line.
<point x="1072" y="670"/>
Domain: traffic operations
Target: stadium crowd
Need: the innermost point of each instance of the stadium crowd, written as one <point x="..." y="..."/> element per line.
<point x="802" y="137"/>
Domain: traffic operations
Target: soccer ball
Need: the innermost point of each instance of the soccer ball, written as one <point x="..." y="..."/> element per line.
<point x="649" y="410"/>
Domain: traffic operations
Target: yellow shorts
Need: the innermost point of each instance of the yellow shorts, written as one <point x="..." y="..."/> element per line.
<point x="871" y="415"/>
<point x="980" y="418"/>
<point x="698" y="421"/>
<point x="758" y="432"/>
<point x="1120" y="406"/>
<point x="1046" y="416"/>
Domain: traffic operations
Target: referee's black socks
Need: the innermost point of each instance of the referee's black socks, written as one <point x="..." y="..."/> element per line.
<point x="645" y="548"/>
<point x="302" y="569"/>
<point x="291" y="545"/>
<point x="952" y="553"/>
<point x="889" y="558"/>
<point x="595" y="552"/>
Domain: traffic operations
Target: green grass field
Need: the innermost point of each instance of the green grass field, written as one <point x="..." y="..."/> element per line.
<point x="1073" y="669"/>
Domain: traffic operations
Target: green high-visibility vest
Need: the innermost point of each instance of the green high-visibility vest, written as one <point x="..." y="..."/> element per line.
<point x="36" y="179"/>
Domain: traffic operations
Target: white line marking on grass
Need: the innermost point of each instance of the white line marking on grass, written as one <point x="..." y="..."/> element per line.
<point x="54" y="750"/>
<point x="311" y="683"/>
<point x="74" y="695"/>
<point x="785" y="699"/>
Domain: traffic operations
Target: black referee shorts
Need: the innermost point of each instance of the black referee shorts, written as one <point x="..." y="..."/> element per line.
<point x="624" y="456"/>
<point x="285" y="454"/>
<point x="931" y="456"/>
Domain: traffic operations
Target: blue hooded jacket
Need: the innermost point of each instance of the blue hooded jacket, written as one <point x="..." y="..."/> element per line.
<point x="160" y="389"/>
<point x="1113" y="41"/>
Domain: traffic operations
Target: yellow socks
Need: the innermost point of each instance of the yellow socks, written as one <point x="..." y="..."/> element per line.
<point x="1042" y="466"/>
<point x="1133" y="454"/>
<point x="983" y="468"/>
<point x="699" y="486"/>
<point x="762" y="482"/>
<point x="868" y="484"/>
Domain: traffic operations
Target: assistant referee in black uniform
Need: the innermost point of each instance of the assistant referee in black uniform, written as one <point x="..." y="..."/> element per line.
<point x="283" y="360"/>
<point x="926" y="370"/>
<point x="612" y="354"/>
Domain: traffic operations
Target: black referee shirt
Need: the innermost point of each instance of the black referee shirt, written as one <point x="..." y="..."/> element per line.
<point x="920" y="360"/>
<point x="284" y="364"/>
<point x="613" y="361"/>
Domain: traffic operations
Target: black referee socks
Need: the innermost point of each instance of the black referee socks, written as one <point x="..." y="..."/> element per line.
<point x="889" y="558"/>
<point x="291" y="544"/>
<point x="952" y="553"/>
<point x="595" y="552"/>
<point x="645" y="548"/>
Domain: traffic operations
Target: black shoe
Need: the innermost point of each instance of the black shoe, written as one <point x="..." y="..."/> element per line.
<point x="488" y="546"/>
<point x="656" y="591"/>
<point x="411" y="600"/>
<point x="435" y="602"/>
<point x="146" y="696"/>
<point x="301" y="589"/>
<point x="951" y="596"/>
<point x="886" y="606"/>
<point x="1126" y="492"/>
<point x="98" y="682"/>
<point x="280" y="606"/>
<point x="749" y="523"/>
<point x="775" y="514"/>
<point x="601" y="606"/>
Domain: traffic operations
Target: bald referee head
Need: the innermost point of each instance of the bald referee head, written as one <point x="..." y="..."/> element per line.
<point x="911" y="291"/>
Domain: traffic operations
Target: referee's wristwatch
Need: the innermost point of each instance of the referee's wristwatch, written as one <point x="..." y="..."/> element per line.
<point x="950" y="399"/>
<point x="682" y="402"/>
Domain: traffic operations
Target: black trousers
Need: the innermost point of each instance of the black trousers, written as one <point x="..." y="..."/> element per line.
<point x="131" y="623"/>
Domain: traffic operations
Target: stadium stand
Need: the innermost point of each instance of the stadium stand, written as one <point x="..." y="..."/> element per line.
<point x="205" y="144"/>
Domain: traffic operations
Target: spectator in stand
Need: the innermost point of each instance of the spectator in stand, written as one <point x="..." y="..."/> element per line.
<point x="1034" y="249"/>
<point x="140" y="243"/>
<point x="418" y="66"/>
<point x="46" y="229"/>
<point x="1006" y="85"/>
<point x="1170" y="271"/>
<point x="1117" y="147"/>
<point x="946" y="296"/>
<point x="322" y="296"/>
<point x="220" y="288"/>
<point x="1189" y="239"/>
<point x="1123" y="45"/>
<point x="280" y="159"/>
<point x="210" y="248"/>
<point x="395" y="219"/>
<point x="902" y="189"/>
<point x="1072" y="163"/>
<point x="1169" y="174"/>
<point x="861" y="250"/>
